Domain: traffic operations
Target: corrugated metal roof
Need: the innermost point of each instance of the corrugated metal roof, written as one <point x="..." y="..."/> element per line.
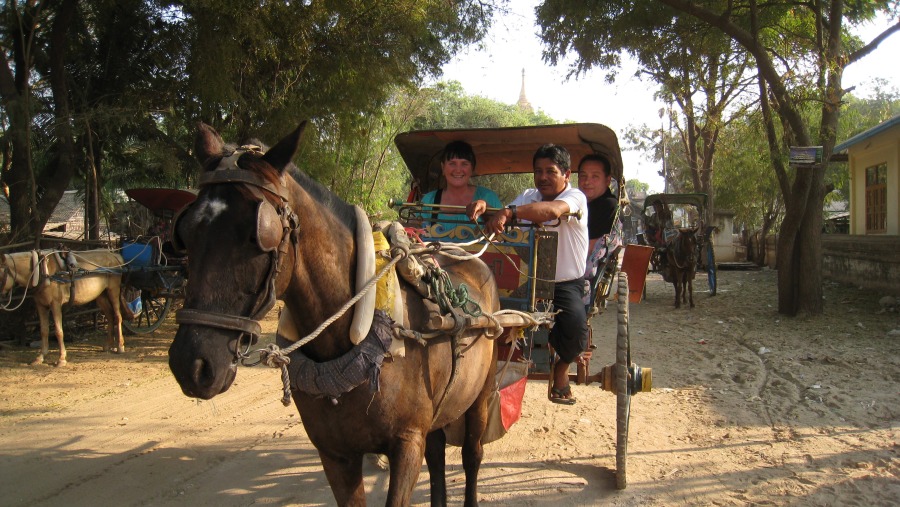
<point x="69" y="212"/>
<point x="868" y="134"/>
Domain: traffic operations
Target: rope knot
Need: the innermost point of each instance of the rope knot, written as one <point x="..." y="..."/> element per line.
<point x="273" y="356"/>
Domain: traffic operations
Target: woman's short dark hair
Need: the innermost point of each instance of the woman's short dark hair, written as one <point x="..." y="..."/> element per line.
<point x="458" y="149"/>
<point x="558" y="154"/>
<point x="596" y="157"/>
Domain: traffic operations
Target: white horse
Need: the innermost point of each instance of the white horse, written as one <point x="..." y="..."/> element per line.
<point x="96" y="278"/>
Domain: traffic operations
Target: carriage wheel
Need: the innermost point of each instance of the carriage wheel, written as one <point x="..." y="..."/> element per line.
<point x="712" y="270"/>
<point x="155" y="309"/>
<point x="623" y="393"/>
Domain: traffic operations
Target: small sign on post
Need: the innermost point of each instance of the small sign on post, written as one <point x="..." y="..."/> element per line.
<point x="806" y="156"/>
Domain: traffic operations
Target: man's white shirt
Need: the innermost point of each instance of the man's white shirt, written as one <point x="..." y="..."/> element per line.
<point x="571" y="251"/>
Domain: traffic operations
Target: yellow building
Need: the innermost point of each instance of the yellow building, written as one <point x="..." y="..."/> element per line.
<point x="874" y="161"/>
<point x="867" y="257"/>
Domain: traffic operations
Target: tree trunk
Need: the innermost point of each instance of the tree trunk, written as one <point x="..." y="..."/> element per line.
<point x="15" y="90"/>
<point x="93" y="186"/>
<point x="800" y="248"/>
<point x="61" y="169"/>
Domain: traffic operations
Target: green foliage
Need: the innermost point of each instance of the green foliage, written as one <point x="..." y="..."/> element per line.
<point x="699" y="70"/>
<point x="354" y="154"/>
<point x="139" y="74"/>
<point x="318" y="59"/>
<point x="635" y="187"/>
<point x="744" y="178"/>
<point x="449" y="107"/>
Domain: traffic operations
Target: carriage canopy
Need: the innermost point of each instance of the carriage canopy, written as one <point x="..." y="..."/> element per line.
<point x="505" y="150"/>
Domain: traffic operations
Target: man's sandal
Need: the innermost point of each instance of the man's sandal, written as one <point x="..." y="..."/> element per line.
<point x="562" y="396"/>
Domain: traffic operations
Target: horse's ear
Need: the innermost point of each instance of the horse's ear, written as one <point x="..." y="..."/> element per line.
<point x="282" y="153"/>
<point x="208" y="143"/>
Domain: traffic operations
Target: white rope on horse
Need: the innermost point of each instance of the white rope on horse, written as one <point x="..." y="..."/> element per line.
<point x="8" y="305"/>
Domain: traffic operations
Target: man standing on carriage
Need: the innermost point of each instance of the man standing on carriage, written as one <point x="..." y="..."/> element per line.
<point x="552" y="198"/>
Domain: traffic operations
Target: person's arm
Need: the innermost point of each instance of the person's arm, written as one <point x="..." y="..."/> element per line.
<point x="537" y="212"/>
<point x="544" y="211"/>
<point x="496" y="222"/>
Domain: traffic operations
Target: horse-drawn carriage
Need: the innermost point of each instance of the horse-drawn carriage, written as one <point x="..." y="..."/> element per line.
<point x="523" y="259"/>
<point x="154" y="274"/>
<point x="389" y="376"/>
<point x="667" y="219"/>
<point x="133" y="285"/>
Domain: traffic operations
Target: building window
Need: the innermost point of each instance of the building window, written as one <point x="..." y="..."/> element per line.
<point x="876" y="199"/>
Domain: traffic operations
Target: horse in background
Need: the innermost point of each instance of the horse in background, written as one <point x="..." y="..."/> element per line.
<point x="681" y="264"/>
<point x="260" y="229"/>
<point x="94" y="277"/>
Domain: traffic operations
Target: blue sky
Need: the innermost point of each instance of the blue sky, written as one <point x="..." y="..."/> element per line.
<point x="513" y="44"/>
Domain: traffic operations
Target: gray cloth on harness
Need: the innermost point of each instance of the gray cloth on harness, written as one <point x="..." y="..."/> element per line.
<point x="338" y="376"/>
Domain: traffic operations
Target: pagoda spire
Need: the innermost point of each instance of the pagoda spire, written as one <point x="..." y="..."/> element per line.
<point x="523" y="103"/>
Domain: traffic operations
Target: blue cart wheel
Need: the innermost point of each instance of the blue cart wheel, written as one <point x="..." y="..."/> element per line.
<point x="154" y="310"/>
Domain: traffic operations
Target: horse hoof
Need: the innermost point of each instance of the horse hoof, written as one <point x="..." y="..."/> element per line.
<point x="37" y="362"/>
<point x="61" y="363"/>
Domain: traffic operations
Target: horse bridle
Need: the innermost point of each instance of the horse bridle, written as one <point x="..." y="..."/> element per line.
<point x="690" y="256"/>
<point x="229" y="173"/>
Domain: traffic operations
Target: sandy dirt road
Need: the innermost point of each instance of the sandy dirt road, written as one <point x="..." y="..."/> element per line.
<point x="748" y="408"/>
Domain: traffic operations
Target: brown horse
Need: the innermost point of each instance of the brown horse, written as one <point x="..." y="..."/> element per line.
<point x="97" y="279"/>
<point x="681" y="262"/>
<point x="246" y="247"/>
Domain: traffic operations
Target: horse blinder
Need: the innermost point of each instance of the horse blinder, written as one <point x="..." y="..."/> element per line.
<point x="177" y="243"/>
<point x="269" y="227"/>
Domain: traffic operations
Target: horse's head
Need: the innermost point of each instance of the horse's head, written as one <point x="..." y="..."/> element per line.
<point x="240" y="236"/>
<point x="687" y="243"/>
<point x="18" y="268"/>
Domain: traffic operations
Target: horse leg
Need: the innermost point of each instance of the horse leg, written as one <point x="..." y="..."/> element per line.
<point x="115" y="342"/>
<point x="345" y="478"/>
<point x="406" y="460"/>
<point x="57" y="325"/>
<point x="473" y="449"/>
<point x="115" y="302"/>
<point x="44" y="318"/>
<point x="675" y="282"/>
<point x="435" y="457"/>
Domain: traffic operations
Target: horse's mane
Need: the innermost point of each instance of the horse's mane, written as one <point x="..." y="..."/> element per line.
<point x="343" y="210"/>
